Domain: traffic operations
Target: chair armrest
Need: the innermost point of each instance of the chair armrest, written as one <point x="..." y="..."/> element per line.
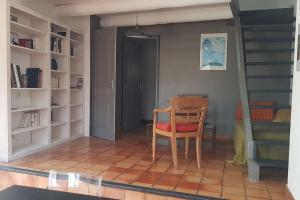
<point x="157" y="110"/>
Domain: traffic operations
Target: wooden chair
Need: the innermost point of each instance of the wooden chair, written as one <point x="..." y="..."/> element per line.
<point x="187" y="116"/>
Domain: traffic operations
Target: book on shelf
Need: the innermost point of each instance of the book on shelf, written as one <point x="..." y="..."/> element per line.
<point x="19" y="75"/>
<point x="57" y="45"/>
<point x="16" y="76"/>
<point x="13" y="77"/>
<point x="30" y="119"/>
<point x="32" y="79"/>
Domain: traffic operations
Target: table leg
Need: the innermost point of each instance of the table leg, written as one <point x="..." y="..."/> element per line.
<point x="213" y="142"/>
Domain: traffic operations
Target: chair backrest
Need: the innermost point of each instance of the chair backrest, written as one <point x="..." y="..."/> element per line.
<point x="74" y="183"/>
<point x="188" y="109"/>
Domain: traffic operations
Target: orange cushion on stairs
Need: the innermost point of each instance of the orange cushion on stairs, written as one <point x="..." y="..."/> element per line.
<point x="258" y="114"/>
<point x="181" y="127"/>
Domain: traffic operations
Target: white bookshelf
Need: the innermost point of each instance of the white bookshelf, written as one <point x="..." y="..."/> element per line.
<point x="60" y="129"/>
<point x="76" y="92"/>
<point x="54" y="103"/>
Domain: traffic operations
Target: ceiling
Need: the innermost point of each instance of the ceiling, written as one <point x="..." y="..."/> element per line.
<point x="102" y="7"/>
<point x="148" y="12"/>
<point x="70" y="2"/>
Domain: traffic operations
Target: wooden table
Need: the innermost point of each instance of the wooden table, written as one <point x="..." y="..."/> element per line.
<point x="17" y="192"/>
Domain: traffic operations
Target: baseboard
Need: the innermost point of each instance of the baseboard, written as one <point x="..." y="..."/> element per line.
<point x="287" y="193"/>
<point x="42" y="148"/>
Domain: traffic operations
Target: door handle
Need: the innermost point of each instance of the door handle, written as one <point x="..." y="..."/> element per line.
<point x="112" y="84"/>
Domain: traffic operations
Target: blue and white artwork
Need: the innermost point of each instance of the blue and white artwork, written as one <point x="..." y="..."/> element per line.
<point x="213" y="51"/>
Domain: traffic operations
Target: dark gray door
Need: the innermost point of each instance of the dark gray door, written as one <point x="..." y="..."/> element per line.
<point x="132" y="85"/>
<point x="104" y="56"/>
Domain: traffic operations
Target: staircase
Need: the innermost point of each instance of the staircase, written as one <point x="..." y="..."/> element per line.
<point x="267" y="40"/>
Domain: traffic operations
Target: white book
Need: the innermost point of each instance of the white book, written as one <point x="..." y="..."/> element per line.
<point x="37" y="118"/>
<point x="26" y="122"/>
<point x="17" y="76"/>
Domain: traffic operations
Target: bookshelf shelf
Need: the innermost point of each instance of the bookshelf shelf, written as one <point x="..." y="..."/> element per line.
<point x="75" y="120"/>
<point x="75" y="89"/>
<point x="75" y="58"/>
<point x="53" y="124"/>
<point x="75" y="42"/>
<point x="28" y="109"/>
<point x="58" y="89"/>
<point x="26" y="50"/>
<point x="57" y="107"/>
<point x="57" y="54"/>
<point x="76" y="105"/>
<point x="58" y="72"/>
<point x="29" y="129"/>
<point x="58" y="35"/>
<point x="17" y="27"/>
<point x="28" y="89"/>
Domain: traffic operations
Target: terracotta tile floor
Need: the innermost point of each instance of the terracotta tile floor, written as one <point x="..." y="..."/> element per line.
<point x="129" y="161"/>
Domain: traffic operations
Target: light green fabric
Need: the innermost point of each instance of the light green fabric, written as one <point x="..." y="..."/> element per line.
<point x="240" y="154"/>
<point x="274" y="152"/>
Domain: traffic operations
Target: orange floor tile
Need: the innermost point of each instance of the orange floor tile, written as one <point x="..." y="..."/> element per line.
<point x="129" y="161"/>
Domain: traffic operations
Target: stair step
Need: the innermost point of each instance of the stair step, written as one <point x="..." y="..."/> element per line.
<point x="275" y="106"/>
<point x="269" y="76"/>
<point x="269" y="51"/>
<point x="269" y="91"/>
<point x="271" y="142"/>
<point x="261" y="123"/>
<point x="269" y="28"/>
<point x="266" y="39"/>
<point x="267" y="21"/>
<point x="270" y="63"/>
<point x="283" y="164"/>
<point x="267" y="16"/>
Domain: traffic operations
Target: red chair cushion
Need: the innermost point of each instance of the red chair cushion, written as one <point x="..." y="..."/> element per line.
<point x="181" y="127"/>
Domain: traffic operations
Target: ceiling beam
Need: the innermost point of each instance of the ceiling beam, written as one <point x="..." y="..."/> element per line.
<point x="179" y="15"/>
<point x="122" y="6"/>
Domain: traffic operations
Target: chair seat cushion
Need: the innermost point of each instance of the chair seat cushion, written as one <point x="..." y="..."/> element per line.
<point x="180" y="127"/>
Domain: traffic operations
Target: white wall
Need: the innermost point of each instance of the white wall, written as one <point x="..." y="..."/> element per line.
<point x="294" y="158"/>
<point x="265" y="4"/>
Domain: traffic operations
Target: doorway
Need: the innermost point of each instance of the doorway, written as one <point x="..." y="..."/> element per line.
<point x="139" y="88"/>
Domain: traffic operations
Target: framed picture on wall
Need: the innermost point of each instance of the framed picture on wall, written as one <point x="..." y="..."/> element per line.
<point x="213" y="51"/>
